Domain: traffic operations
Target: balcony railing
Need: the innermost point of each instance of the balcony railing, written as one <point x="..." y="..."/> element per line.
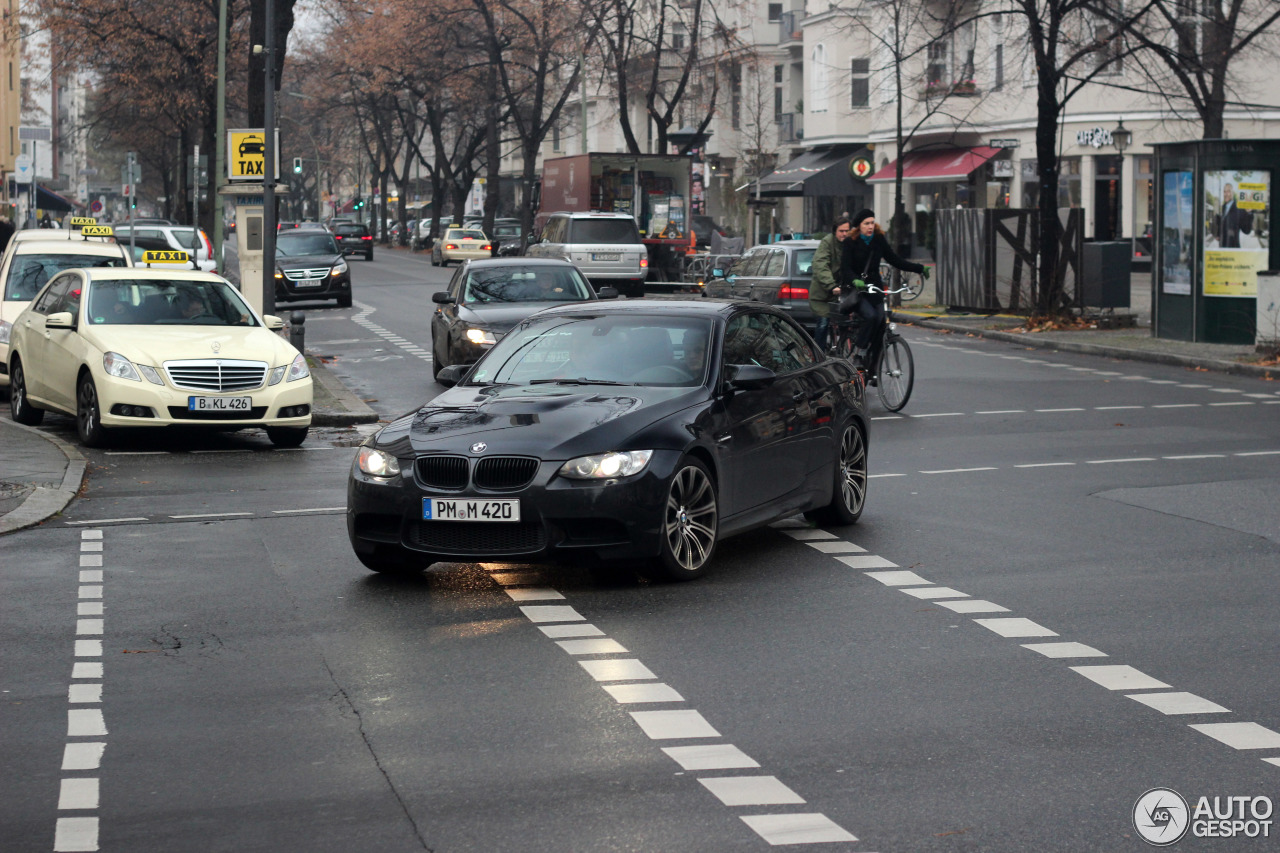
<point x="789" y="27"/>
<point x="942" y="89"/>
<point x="790" y="127"/>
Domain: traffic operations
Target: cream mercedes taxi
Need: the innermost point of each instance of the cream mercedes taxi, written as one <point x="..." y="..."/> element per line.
<point x="153" y="347"/>
<point x="35" y="256"/>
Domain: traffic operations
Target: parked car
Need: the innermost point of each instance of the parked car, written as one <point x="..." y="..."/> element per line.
<point x="772" y="273"/>
<point x="459" y="243"/>
<point x="147" y="348"/>
<point x="182" y="237"/>
<point x="309" y="265"/>
<point x="506" y="238"/>
<point x="422" y="234"/>
<point x="616" y="431"/>
<point x="486" y="298"/>
<point x="353" y="238"/>
<point x="605" y="246"/>
<point x="27" y="266"/>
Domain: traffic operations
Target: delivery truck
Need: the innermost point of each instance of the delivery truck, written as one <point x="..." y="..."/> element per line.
<point x="653" y="188"/>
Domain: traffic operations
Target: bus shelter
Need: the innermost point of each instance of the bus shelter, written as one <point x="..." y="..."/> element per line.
<point x="1214" y="220"/>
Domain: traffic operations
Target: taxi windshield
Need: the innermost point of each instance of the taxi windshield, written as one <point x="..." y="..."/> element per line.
<point x="160" y="302"/>
<point x="29" y="273"/>
<point x="306" y="243"/>
<point x="469" y="234"/>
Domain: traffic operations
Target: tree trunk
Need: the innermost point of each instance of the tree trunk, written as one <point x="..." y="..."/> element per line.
<point x="1049" y="285"/>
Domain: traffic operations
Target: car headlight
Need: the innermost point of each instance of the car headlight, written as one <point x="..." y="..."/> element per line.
<point x="298" y="370"/>
<point x="375" y="463"/>
<point x="481" y="336"/>
<point x="339" y="268"/>
<point x="604" y="466"/>
<point x="5" y="329"/>
<point x="152" y="375"/>
<point x="120" y="367"/>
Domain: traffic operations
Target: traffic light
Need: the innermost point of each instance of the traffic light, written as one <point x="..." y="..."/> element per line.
<point x="297" y="165"/>
<point x="359" y="203"/>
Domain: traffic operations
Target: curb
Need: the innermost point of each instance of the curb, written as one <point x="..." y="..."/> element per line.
<point x="1168" y="358"/>
<point x="357" y="410"/>
<point x="44" y="502"/>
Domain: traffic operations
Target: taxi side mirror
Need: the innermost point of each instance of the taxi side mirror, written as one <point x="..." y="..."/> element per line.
<point x="273" y="322"/>
<point x="60" y="320"/>
<point x="442" y="297"/>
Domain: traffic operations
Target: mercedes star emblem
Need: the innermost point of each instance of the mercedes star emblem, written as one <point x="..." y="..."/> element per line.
<point x="478" y="447"/>
<point x="217" y="347"/>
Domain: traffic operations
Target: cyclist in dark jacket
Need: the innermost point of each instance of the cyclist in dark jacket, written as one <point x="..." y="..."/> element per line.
<point x="860" y="264"/>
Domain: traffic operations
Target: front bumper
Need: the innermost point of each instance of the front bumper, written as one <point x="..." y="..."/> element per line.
<point x="561" y="520"/>
<point x="168" y="406"/>
<point x="328" y="287"/>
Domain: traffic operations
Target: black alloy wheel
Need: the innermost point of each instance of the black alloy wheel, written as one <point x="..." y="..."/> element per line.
<point x="20" y="407"/>
<point x="691" y="521"/>
<point x="89" y="413"/>
<point x="849" y="493"/>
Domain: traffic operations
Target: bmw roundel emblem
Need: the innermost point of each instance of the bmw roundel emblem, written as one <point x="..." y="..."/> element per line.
<point x="479" y="447"/>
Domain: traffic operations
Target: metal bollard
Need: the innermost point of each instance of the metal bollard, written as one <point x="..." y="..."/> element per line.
<point x="297" y="330"/>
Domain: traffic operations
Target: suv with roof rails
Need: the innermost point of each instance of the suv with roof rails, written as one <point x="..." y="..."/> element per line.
<point x="606" y="247"/>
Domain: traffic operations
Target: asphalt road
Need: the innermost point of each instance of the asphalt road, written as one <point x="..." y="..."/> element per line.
<point x="1066" y="566"/>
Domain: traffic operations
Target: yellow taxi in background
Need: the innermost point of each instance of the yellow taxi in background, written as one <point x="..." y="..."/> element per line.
<point x="155" y="347"/>
<point x="35" y="256"/>
<point x="460" y="244"/>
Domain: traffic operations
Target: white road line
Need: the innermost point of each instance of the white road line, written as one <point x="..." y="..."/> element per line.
<point x="83" y="755"/>
<point x="751" y="791"/>
<point x="551" y="613"/>
<point x="78" y="793"/>
<point x="1003" y="412"/>
<point x="717" y="756"/>
<point x="534" y="594"/>
<point x="1065" y="650"/>
<point x="90" y="592"/>
<point x="1177" y="406"/>
<point x="1179" y="703"/>
<point x="571" y="630"/>
<point x="671" y="725"/>
<point x="1075" y="409"/>
<point x="91" y="559"/>
<point x="603" y="646"/>
<point x="874" y="476"/>
<point x="90" y="534"/>
<point x="1240" y="735"/>
<point x="902" y="578"/>
<point x="89" y="608"/>
<point x="632" y="694"/>
<point x="778" y="829"/>
<point x="107" y="520"/>
<point x="1119" y="677"/>
<point x="136" y="453"/>
<point x="1115" y="408"/>
<point x="959" y="470"/>
<point x="836" y="547"/>
<point x="85" y="722"/>
<point x="75" y="833"/>
<point x="1226" y="390"/>
<point x="1014" y="626"/>
<point x="313" y="509"/>
<point x="212" y="515"/>
<point x="84" y="694"/>
<point x="1198" y="456"/>
<point x="1110" y="461"/>
<point x="91" y="576"/>
<point x="618" y="669"/>
<point x="867" y="562"/>
<point x="939" y="415"/>
<point x="1236" y="403"/>
<point x="806" y="534"/>
<point x="1046" y="465"/>
<point x="90" y="546"/>
<point x="89" y="627"/>
<point x="972" y="605"/>
<point x="929" y="592"/>
<point x="1259" y="453"/>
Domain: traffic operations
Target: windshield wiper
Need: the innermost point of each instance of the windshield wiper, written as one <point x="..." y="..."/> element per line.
<point x="581" y="380"/>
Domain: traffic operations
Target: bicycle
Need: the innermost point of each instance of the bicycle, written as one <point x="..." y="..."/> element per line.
<point x="895" y="374"/>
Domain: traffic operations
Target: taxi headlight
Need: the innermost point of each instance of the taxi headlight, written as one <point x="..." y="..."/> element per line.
<point x="604" y="466"/>
<point x="152" y="375"/>
<point x="5" y="329"/>
<point x="298" y="370"/>
<point x="375" y="463"/>
<point x="120" y="367"/>
<point x="339" y="268"/>
<point x="277" y="373"/>
<point x="480" y="336"/>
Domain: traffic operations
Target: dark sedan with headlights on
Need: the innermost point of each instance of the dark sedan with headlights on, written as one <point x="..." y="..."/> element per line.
<point x="643" y="431"/>
<point x="309" y="265"/>
<point x="486" y="297"/>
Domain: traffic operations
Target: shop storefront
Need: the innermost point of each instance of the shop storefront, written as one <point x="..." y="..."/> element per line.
<point x="829" y="182"/>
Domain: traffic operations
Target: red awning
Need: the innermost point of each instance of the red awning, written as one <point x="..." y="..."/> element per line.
<point x="950" y="164"/>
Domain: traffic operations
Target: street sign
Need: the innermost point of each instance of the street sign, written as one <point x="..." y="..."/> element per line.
<point x="1003" y="143"/>
<point x="126" y="189"/>
<point x="95" y="206"/>
<point x="22" y="171"/>
<point x="36" y="134"/>
<point x="247" y="154"/>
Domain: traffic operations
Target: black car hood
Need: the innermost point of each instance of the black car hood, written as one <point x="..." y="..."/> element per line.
<point x="547" y="421"/>
<point x="501" y="316"/>
<point x="304" y="262"/>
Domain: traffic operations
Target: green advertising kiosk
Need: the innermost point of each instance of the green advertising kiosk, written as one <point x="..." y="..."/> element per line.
<point x="1213" y="234"/>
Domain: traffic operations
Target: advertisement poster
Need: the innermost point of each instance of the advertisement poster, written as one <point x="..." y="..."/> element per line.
<point x="1176" y="241"/>
<point x="697" y="189"/>
<point x="1236" y="239"/>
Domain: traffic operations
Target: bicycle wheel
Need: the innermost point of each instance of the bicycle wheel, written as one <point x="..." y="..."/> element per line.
<point x="897" y="373"/>
<point x="914" y="284"/>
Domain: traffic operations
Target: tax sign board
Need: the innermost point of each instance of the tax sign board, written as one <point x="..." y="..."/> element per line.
<point x="247" y="154"/>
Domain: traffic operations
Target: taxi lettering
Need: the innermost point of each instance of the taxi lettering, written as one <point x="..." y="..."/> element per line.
<point x="96" y="231"/>
<point x="165" y="257"/>
<point x="81" y="221"/>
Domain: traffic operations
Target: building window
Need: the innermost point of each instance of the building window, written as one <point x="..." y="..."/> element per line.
<point x="777" y="92"/>
<point x="887" y="88"/>
<point x="859" y="83"/>
<point x="997" y="81"/>
<point x="677" y="40"/>
<point x="818" y="79"/>
<point x="555" y="136"/>
<point x="735" y="96"/>
<point x="1110" y="42"/>
<point x="775" y="13"/>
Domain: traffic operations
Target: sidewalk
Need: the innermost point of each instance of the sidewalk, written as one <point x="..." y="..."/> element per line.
<point x="1135" y="343"/>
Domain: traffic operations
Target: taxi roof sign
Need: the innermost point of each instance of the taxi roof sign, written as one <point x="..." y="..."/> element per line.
<point x="96" y="231"/>
<point x="81" y="221"/>
<point x="170" y="256"/>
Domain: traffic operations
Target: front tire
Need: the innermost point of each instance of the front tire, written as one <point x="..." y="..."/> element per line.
<point x="287" y="436"/>
<point x="849" y="494"/>
<point x="89" y="414"/>
<point x="691" y="522"/>
<point x="20" y="407"/>
<point x="897" y="374"/>
<point x="391" y="562"/>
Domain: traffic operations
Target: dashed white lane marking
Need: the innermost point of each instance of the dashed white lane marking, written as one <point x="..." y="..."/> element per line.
<point x="960" y="470"/>
<point x="1191" y="456"/>
<point x="751" y="791"/>
<point x="552" y="613"/>
<point x="867" y="562"/>
<point x="931" y="592"/>
<point x="972" y="605"/>
<point x="312" y="509"/>
<point x="807" y="535"/>
<point x="710" y="756"/>
<point x="1240" y="735"/>
<point x="1071" y="409"/>
<point x="578" y="630"/>
<point x="1119" y="677"/>
<point x="1003" y="412"/>
<point x="108" y="520"/>
<point x="836" y="547"/>
<point x="779" y="829"/>
<point x="630" y="694"/>
<point x="212" y="515"/>
<point x="534" y="594"/>
<point x="76" y="833"/>
<point x="673" y="725"/>
<point x="617" y="669"/>
<point x="1178" y="703"/>
<point x="1110" y="461"/>
<point x="83" y="755"/>
<point x="86" y="722"/>
<point x="362" y="319"/>
<point x="78" y="793"/>
<point x="1065" y="650"/>
<point x="1015" y="626"/>
<point x="601" y="646"/>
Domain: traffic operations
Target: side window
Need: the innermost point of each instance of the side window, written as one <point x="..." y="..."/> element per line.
<point x="793" y="351"/>
<point x="776" y="264"/>
<point x="748" y="339"/>
<point x="455" y="285"/>
<point x="747" y="265"/>
<point x="69" y="299"/>
<point x="52" y="294"/>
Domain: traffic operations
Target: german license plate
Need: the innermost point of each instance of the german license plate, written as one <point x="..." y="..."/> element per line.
<point x="219" y="404"/>
<point x="308" y="282"/>
<point x="451" y="509"/>
<point x="597" y="256"/>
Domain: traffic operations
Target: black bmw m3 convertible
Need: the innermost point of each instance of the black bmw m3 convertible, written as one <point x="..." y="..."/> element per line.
<point x="641" y="431"/>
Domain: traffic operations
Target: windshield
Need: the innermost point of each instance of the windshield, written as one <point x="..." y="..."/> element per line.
<point x="156" y="302"/>
<point x="600" y="350"/>
<point x="506" y="230"/>
<point x="29" y="273"/>
<point x="604" y="231"/>
<point x="302" y="244"/>
<point x="526" y="284"/>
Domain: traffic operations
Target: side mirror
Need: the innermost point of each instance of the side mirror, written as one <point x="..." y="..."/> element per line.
<point x="442" y="297"/>
<point x="453" y="374"/>
<point x="273" y="322"/>
<point x="749" y="377"/>
<point x="61" y="320"/>
<point x="718" y="273"/>
<point x="608" y="293"/>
